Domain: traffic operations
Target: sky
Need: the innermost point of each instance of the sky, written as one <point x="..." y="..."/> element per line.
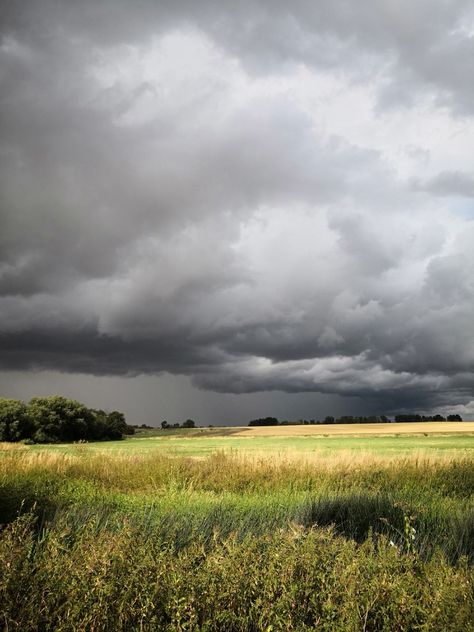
<point x="227" y="210"/>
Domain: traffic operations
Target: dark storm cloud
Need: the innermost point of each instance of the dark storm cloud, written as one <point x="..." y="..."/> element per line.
<point x="166" y="205"/>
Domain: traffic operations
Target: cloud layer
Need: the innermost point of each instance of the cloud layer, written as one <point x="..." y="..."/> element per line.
<point x="256" y="197"/>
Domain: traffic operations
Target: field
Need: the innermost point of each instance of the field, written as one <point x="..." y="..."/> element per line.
<point x="300" y="441"/>
<point x="241" y="529"/>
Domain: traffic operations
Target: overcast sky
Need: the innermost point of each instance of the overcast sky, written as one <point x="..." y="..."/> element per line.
<point x="231" y="209"/>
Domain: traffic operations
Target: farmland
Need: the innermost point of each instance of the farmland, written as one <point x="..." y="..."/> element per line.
<point x="307" y="441"/>
<point x="242" y="529"/>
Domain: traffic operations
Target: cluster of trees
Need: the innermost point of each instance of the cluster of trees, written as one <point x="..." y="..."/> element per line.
<point x="189" y="423"/>
<point x="57" y="419"/>
<point x="349" y="419"/>
<point x="402" y="418"/>
<point x="264" y="421"/>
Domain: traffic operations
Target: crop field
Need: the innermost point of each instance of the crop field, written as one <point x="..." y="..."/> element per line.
<point x="291" y="441"/>
<point x="241" y="529"/>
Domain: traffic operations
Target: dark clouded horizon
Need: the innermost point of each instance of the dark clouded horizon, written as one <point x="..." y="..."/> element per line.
<point x="272" y="203"/>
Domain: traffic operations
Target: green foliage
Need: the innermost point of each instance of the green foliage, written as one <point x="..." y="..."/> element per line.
<point x="108" y="426"/>
<point x="413" y="417"/>
<point x="15" y="423"/>
<point x="81" y="577"/>
<point x="191" y="496"/>
<point x="264" y="421"/>
<point x="57" y="419"/>
<point x="105" y="540"/>
<point x="189" y="423"/>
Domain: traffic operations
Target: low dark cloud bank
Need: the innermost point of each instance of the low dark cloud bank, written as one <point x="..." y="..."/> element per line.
<point x="260" y="196"/>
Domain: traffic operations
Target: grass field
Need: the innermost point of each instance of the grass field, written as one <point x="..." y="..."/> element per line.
<point x="308" y="441"/>
<point x="229" y="529"/>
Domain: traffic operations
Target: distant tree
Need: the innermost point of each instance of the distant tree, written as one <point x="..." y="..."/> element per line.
<point x="346" y="419"/>
<point x="408" y="418"/>
<point x="164" y="424"/>
<point x="264" y="421"/>
<point x="454" y="418"/>
<point x="98" y="425"/>
<point x="116" y="425"/>
<point x="329" y="419"/>
<point x="189" y="423"/>
<point x="15" y="424"/>
<point x="108" y="426"/>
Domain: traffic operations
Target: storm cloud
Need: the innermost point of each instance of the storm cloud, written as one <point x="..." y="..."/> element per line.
<point x="260" y="196"/>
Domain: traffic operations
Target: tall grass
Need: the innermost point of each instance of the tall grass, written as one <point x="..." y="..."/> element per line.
<point x="95" y="579"/>
<point x="227" y="471"/>
<point x="123" y="542"/>
<point x="251" y="494"/>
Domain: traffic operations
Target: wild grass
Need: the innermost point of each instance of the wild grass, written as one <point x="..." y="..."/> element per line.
<point x="201" y="442"/>
<point x="233" y="471"/>
<point x="350" y="541"/>
<point x="92" y="579"/>
<point x="251" y="494"/>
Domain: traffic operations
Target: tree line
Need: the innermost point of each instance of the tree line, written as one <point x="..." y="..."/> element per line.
<point x="56" y="419"/>
<point x="350" y="419"/>
<point x="189" y="423"/>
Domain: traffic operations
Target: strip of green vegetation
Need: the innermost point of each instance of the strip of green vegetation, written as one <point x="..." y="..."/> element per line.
<point x="89" y="578"/>
<point x="182" y="444"/>
<point x="184" y="497"/>
<point x="117" y="541"/>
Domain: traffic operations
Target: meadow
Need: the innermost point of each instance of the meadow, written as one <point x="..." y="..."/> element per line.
<point x="235" y="529"/>
<point x="298" y="440"/>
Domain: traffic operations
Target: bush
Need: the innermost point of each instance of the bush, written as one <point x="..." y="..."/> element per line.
<point x="15" y="423"/>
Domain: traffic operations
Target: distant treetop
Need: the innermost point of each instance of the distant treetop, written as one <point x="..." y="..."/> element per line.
<point x="264" y="421"/>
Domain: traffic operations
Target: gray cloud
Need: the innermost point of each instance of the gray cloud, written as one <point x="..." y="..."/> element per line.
<point x="412" y="46"/>
<point x="169" y="203"/>
<point x="449" y="183"/>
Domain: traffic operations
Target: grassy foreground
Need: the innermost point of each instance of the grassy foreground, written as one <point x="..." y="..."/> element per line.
<point x="342" y="540"/>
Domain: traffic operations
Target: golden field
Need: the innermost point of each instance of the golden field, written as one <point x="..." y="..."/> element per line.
<point x="435" y="427"/>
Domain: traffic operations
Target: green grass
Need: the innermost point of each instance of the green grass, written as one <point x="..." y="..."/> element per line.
<point x="339" y="533"/>
<point x="190" y="443"/>
<point x="95" y="579"/>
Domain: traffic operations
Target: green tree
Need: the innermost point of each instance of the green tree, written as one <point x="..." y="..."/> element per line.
<point x="189" y="423"/>
<point x="57" y="418"/>
<point x="116" y="425"/>
<point x="15" y="424"/>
